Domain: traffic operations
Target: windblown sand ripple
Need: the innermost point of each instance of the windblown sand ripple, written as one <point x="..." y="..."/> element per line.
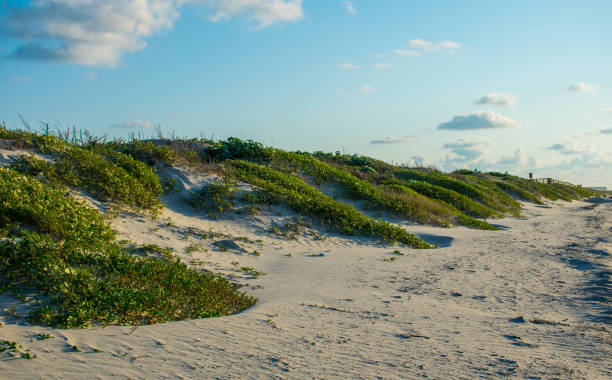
<point x="531" y="300"/>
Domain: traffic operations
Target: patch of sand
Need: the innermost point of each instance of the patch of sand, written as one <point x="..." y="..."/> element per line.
<point x="530" y="300"/>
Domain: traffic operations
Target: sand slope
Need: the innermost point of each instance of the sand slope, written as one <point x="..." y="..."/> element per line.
<point x="532" y="300"/>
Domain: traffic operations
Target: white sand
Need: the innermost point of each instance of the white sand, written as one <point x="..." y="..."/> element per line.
<point x="443" y="313"/>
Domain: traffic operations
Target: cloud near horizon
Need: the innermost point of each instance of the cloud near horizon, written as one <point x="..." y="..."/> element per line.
<point x="99" y="32"/>
<point x="603" y="131"/>
<point x="394" y="140"/>
<point x="134" y="124"/>
<point x="570" y="147"/>
<point x="348" y="66"/>
<point x="495" y="99"/>
<point x="466" y="151"/>
<point x="583" y="87"/>
<point x="479" y="120"/>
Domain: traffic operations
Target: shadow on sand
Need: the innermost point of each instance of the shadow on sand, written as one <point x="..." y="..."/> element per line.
<point x="441" y="241"/>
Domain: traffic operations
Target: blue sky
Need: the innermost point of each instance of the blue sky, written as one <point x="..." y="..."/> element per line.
<point x="519" y="86"/>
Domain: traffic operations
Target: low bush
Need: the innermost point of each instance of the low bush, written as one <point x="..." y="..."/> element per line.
<point x="306" y="199"/>
<point x="145" y="151"/>
<point x="215" y="198"/>
<point x="89" y="278"/>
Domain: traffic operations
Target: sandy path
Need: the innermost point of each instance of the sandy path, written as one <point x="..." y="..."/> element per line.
<point x="532" y="300"/>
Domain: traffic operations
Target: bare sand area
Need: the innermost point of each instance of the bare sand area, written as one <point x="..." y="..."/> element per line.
<point x="532" y="300"/>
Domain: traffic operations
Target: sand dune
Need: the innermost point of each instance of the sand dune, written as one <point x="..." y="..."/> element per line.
<point x="530" y="300"/>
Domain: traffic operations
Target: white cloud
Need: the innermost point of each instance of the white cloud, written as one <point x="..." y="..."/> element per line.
<point x="607" y="110"/>
<point x="571" y="147"/>
<point x="134" y="124"/>
<point x="430" y="46"/>
<point x="394" y="140"/>
<point x="263" y="12"/>
<point x="418" y="47"/>
<point x="349" y="66"/>
<point x="382" y="66"/>
<point x="479" y="120"/>
<point x="342" y="91"/>
<point x="366" y="88"/>
<point x="91" y="76"/>
<point x="408" y="53"/>
<point x="519" y="158"/>
<point x="470" y="142"/>
<point x="380" y="55"/>
<point x="583" y="87"/>
<point x="417" y="162"/>
<point x="466" y="151"/>
<point x="99" y="32"/>
<point x="603" y="131"/>
<point x="495" y="99"/>
<point x="349" y="7"/>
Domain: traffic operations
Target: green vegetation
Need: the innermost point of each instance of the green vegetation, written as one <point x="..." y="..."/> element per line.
<point x="101" y="171"/>
<point x="252" y="271"/>
<point x="215" y="198"/>
<point x="55" y="244"/>
<point x="308" y="200"/>
<point x="72" y="257"/>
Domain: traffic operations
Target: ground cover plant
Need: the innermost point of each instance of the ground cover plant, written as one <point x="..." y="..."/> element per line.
<point x="306" y="199"/>
<point x="104" y="173"/>
<point x="69" y="253"/>
<point x="408" y="204"/>
<point x="215" y="198"/>
<point x="455" y="205"/>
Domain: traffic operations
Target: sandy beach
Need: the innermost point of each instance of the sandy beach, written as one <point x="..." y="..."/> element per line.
<point x="532" y="300"/>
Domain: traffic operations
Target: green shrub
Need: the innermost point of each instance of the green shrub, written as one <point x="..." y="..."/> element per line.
<point x="81" y="168"/>
<point x="460" y="201"/>
<point x="169" y="185"/>
<point x="27" y="200"/>
<point x="409" y="204"/>
<point x="89" y="278"/>
<point x="234" y="148"/>
<point x="214" y="198"/>
<point x="306" y="199"/>
<point x="145" y="151"/>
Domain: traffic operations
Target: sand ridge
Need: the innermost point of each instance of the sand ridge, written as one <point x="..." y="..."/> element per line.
<point x="530" y="300"/>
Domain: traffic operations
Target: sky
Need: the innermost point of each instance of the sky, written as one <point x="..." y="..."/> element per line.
<point x="520" y="86"/>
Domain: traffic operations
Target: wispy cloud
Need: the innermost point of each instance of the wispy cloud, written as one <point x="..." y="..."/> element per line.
<point x="583" y="87"/>
<point x="394" y="140"/>
<point x="342" y="91"/>
<point x="607" y="110"/>
<point x="418" y="47"/>
<point x="366" y="89"/>
<point x="91" y="76"/>
<point x="604" y="131"/>
<point x="518" y="158"/>
<point x="479" y="120"/>
<point x="349" y="7"/>
<point x="495" y="99"/>
<point x="408" y="53"/>
<point x="466" y="151"/>
<point x="348" y="66"/>
<point x="263" y="12"/>
<point x="430" y="46"/>
<point x="134" y="124"/>
<point x="382" y="66"/>
<point x="96" y="32"/>
<point x="571" y="147"/>
<point x="379" y="55"/>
